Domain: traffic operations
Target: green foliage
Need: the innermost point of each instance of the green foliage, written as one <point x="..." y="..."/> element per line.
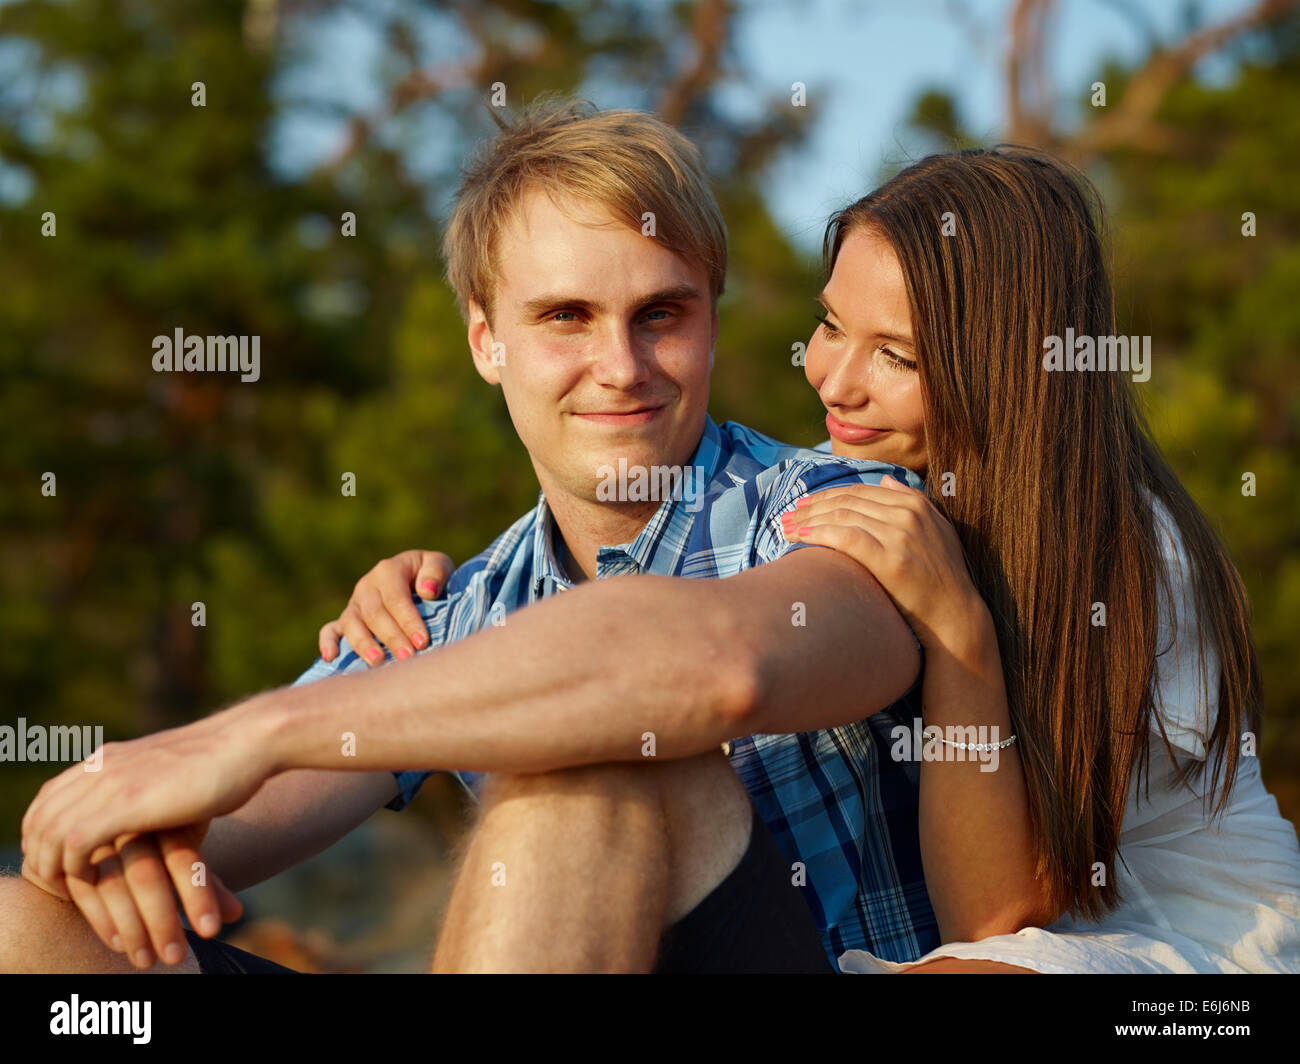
<point x="176" y="489"/>
<point x="179" y="489"/>
<point x="1221" y="309"/>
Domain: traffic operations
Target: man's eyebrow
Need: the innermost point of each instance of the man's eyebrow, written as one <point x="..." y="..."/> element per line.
<point x="680" y="293"/>
<point x="540" y="304"/>
<point x="899" y="337"/>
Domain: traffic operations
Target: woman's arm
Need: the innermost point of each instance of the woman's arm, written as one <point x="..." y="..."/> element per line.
<point x="976" y="843"/>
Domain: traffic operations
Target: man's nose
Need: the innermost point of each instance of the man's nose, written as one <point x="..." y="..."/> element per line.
<point x="620" y="358"/>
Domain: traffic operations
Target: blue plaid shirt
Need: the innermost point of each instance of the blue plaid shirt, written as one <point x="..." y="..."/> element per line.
<point x="833" y="799"/>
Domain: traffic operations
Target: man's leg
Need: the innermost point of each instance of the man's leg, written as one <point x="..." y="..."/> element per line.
<point x="582" y="870"/>
<point x="40" y="933"/>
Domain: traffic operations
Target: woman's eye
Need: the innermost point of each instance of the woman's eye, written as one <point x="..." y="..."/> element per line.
<point x="897" y="360"/>
<point x="827" y="327"/>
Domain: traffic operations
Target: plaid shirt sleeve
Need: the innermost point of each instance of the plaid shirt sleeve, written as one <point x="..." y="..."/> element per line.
<point x="438" y="617"/>
<point x="804" y="477"/>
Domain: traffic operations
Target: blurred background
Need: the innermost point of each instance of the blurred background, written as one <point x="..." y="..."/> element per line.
<point x="227" y="219"/>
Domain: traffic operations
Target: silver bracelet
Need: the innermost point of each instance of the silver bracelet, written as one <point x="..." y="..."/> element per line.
<point x="926" y="733"/>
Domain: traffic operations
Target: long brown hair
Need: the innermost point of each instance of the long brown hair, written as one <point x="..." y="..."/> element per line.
<point x="1052" y="474"/>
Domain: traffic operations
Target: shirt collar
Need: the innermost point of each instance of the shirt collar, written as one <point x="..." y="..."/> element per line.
<point x="673" y="516"/>
<point x="548" y="574"/>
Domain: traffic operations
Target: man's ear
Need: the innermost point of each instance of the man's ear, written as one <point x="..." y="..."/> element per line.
<point x="482" y="345"/>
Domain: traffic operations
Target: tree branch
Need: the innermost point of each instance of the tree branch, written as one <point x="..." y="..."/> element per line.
<point x="709" y="30"/>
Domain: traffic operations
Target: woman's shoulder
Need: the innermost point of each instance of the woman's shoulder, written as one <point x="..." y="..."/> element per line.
<point x="1187" y="667"/>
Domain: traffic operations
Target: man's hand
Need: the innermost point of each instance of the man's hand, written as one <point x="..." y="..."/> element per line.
<point x="129" y="903"/>
<point x="381" y="607"/>
<point x="174" y="779"/>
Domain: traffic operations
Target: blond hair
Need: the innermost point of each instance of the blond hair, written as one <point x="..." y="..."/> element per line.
<point x="627" y="162"/>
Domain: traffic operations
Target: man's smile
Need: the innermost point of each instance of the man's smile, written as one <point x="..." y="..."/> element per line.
<point x="637" y="415"/>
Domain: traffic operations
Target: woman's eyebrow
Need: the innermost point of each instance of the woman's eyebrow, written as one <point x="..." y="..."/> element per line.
<point x="899" y="336"/>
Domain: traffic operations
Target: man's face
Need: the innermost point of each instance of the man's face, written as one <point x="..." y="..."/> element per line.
<point x="602" y="342"/>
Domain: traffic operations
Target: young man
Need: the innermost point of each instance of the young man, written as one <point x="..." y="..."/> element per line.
<point x="610" y="815"/>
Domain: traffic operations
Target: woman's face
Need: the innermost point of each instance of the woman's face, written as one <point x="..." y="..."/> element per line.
<point x="862" y="359"/>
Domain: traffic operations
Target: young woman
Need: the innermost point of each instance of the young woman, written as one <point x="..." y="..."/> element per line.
<point x="1066" y="588"/>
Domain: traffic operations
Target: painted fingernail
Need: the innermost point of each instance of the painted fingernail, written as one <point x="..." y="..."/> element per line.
<point x="174" y="953"/>
<point x="208" y="925"/>
<point x="804" y="531"/>
<point x="403" y="653"/>
<point x="372" y="655"/>
<point x="117" y="942"/>
<point x="430" y="587"/>
<point x="801" y="501"/>
<point x="143" y="958"/>
<point x="419" y="639"/>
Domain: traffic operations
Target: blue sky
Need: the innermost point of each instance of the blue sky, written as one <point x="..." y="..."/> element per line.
<point x="865" y="61"/>
<point x="877" y="56"/>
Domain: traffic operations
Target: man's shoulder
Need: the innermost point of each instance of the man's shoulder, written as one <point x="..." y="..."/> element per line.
<point x="510" y="550"/>
<point x="745" y="444"/>
<point x="817" y="471"/>
<point x="503" y="570"/>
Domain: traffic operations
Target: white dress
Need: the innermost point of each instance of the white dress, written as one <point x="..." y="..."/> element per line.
<point x="1199" y="894"/>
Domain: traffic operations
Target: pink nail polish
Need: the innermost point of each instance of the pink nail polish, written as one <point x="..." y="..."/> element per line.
<point x="372" y="655"/>
<point x="418" y="638"/>
<point x="430" y="587"/>
<point x="804" y="531"/>
<point x="403" y="653"/>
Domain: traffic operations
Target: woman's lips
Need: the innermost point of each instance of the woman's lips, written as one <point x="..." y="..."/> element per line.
<point x="850" y="433"/>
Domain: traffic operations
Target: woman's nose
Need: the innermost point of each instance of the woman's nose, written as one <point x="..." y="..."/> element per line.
<point x="845" y="384"/>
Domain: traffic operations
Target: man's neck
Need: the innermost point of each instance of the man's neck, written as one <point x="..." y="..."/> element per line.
<point x="584" y="526"/>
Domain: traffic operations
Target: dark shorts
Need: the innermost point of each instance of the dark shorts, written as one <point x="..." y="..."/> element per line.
<point x="754" y="921"/>
<point x="218" y="958"/>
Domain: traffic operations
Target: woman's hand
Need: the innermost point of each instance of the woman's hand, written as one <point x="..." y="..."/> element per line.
<point x="381" y="608"/>
<point x="907" y="545"/>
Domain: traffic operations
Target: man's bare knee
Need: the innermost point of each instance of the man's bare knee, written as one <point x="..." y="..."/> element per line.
<point x="694" y="810"/>
<point x="41" y="933"/>
<point x="708" y="817"/>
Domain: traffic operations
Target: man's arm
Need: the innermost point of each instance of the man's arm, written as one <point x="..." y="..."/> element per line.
<point x="294" y="815"/>
<point x="580" y="678"/>
<point x="577" y="679"/>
